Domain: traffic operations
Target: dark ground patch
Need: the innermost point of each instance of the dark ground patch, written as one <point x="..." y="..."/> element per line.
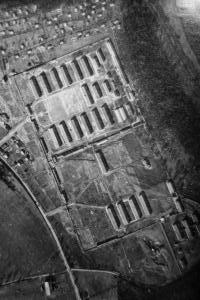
<point x="172" y="116"/>
<point x="186" y="288"/>
<point x="26" y="245"/>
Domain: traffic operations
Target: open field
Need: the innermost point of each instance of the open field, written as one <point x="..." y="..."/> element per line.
<point x="27" y="248"/>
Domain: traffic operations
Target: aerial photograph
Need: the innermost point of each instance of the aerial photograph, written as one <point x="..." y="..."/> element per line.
<point x="100" y="149"/>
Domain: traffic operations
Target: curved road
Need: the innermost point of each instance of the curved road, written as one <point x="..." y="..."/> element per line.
<point x="76" y="291"/>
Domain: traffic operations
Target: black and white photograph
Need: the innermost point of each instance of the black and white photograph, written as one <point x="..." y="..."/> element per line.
<point x="99" y="149"/>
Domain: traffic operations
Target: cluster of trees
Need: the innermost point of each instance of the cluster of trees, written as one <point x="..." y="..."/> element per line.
<point x="6" y="177"/>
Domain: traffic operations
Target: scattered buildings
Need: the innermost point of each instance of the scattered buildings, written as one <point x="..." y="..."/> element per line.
<point x="85" y="153"/>
<point x="111" y="179"/>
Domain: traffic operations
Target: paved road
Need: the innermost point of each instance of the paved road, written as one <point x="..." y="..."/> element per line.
<point x="38" y="206"/>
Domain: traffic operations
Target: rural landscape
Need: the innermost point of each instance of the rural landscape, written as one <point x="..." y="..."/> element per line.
<point x="99" y="150"/>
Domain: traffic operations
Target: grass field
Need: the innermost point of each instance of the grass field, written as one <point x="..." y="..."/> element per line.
<point x="26" y="245"/>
